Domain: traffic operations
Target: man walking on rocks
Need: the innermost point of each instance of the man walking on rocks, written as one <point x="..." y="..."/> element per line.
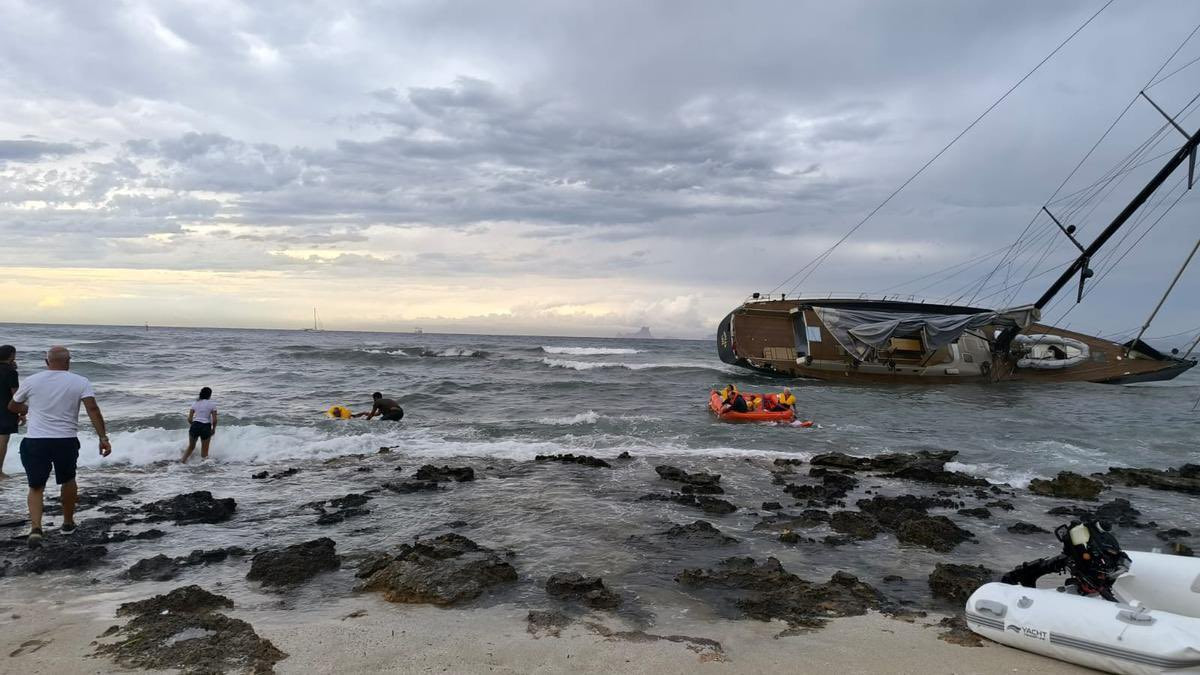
<point x="50" y="400"/>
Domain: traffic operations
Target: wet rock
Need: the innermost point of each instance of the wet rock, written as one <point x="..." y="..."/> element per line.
<point x="957" y="582"/>
<point x="1067" y="485"/>
<point x="699" y="532"/>
<point x="409" y="486"/>
<point x="335" y="517"/>
<point x="975" y="513"/>
<point x="707" y="504"/>
<point x="59" y="556"/>
<point x="1173" y="533"/>
<point x="790" y="537"/>
<point x="892" y="579"/>
<point x="157" y="568"/>
<point x="936" y="532"/>
<point x="938" y="476"/>
<point x="584" y="460"/>
<point x="292" y="471"/>
<point x="855" y="523"/>
<point x="590" y="591"/>
<point x="924" y="465"/>
<point x="183" y="631"/>
<point x="787" y="461"/>
<point x="194" y="507"/>
<point x="771" y="506"/>
<point x="442" y="571"/>
<point x="349" y="501"/>
<point x="784" y="521"/>
<point x="957" y="632"/>
<point x="838" y="484"/>
<point x="778" y="594"/>
<point x="891" y="512"/>
<point x="1185" y="479"/>
<point x="1022" y="527"/>
<point x="260" y="475"/>
<point x="1002" y="504"/>
<point x="99" y="494"/>
<point x="152" y="533"/>
<point x="624" y="455"/>
<point x="216" y="555"/>
<point x="694" y="483"/>
<point x="1118" y="511"/>
<point x="294" y="564"/>
<point x="458" y="474"/>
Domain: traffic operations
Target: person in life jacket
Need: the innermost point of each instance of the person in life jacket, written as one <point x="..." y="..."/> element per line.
<point x="733" y="401"/>
<point x="784" y="401"/>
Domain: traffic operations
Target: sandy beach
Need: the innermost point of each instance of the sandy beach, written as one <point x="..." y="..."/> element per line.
<point x="47" y="637"/>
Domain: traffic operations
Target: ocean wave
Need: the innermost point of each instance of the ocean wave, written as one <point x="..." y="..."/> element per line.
<point x="994" y="472"/>
<point x="589" y="417"/>
<point x="274" y="445"/>
<point x="454" y="353"/>
<point x="590" y="351"/>
<point x="593" y="365"/>
<point x="389" y="352"/>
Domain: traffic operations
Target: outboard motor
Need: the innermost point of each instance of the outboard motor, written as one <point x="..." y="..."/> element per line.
<point x="1091" y="555"/>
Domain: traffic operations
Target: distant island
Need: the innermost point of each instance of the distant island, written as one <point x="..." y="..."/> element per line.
<point x="642" y="334"/>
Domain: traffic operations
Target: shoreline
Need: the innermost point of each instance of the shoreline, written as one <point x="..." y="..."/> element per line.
<point x="50" y="637"/>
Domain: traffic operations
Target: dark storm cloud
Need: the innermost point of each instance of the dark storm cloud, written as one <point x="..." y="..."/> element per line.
<point x="654" y="140"/>
<point x="34" y="151"/>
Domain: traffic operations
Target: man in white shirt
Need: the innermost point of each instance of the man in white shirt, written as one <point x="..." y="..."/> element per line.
<point x="50" y="400"/>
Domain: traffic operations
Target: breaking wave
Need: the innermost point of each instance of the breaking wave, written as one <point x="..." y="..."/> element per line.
<point x="590" y="351"/>
<point x="589" y="417"/>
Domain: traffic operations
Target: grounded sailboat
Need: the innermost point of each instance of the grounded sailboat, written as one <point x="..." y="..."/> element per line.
<point x="317" y="326"/>
<point x="865" y="340"/>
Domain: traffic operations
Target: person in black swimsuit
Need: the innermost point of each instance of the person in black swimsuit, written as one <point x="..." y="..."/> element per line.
<point x="734" y="402"/>
<point x="385" y="408"/>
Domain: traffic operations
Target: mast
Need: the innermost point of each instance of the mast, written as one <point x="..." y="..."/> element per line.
<point x="1080" y="264"/>
<point x="1170" y="288"/>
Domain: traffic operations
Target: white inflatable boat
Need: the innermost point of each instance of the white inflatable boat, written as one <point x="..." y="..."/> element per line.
<point x="1154" y="628"/>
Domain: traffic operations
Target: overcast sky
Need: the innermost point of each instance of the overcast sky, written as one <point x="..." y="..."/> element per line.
<point x="563" y="167"/>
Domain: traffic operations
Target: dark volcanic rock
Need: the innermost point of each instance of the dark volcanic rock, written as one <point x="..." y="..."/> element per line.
<point x="53" y="557"/>
<point x="778" y="594"/>
<point x="891" y="512"/>
<point x="260" y="475"/>
<point x="1172" y="533"/>
<point x="585" y="460"/>
<point x="855" y="523"/>
<point x="699" y="532"/>
<point x="292" y="471"/>
<point x="157" y="568"/>
<point x="1067" y="485"/>
<point x="294" y="564"/>
<point x="694" y="483"/>
<point x="590" y="591"/>
<point x="936" y="532"/>
<point x="785" y="521"/>
<point x="445" y="473"/>
<point x="1118" y="511"/>
<point x="771" y="506"/>
<point x="707" y="504"/>
<point x="349" y="501"/>
<point x="444" y="570"/>
<point x="408" y="486"/>
<point x="335" y="517"/>
<point x="958" y="582"/>
<point x="924" y="465"/>
<point x="1022" y="527"/>
<point x="1185" y="479"/>
<point x="1001" y="504"/>
<point x="194" y="507"/>
<point x="975" y="513"/>
<point x="216" y="555"/>
<point x="958" y="632"/>
<point x="624" y="455"/>
<point x="183" y="630"/>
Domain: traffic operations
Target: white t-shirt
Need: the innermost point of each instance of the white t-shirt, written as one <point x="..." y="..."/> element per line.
<point x="204" y="408"/>
<point x="53" y="397"/>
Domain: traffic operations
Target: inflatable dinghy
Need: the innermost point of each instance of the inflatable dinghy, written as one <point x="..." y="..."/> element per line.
<point x="759" y="415"/>
<point x="1154" y="627"/>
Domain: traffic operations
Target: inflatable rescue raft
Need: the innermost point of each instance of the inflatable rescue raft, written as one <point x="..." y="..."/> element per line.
<point x="1154" y="628"/>
<point x="757" y="415"/>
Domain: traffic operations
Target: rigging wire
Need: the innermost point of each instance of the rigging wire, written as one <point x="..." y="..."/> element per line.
<point x="816" y="262"/>
<point x="1094" y="146"/>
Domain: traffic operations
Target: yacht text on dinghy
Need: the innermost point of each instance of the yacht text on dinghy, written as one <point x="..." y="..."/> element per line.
<point x="863" y="339"/>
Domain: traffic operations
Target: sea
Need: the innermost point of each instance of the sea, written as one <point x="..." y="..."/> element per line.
<point x="496" y="402"/>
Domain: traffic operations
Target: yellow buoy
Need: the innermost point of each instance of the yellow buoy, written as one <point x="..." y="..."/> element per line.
<point x="339" y="412"/>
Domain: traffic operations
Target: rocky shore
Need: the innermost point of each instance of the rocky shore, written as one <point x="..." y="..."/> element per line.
<point x="788" y="544"/>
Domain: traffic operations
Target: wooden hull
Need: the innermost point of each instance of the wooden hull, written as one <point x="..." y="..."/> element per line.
<point x="786" y="338"/>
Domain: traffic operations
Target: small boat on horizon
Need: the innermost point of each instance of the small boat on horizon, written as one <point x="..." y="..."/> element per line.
<point x="317" y="326"/>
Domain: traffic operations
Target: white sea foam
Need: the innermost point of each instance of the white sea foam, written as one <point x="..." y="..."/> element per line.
<point x="589" y="417"/>
<point x="593" y="365"/>
<point x="454" y="352"/>
<point x="994" y="472"/>
<point x="389" y="352"/>
<point x="275" y="445"/>
<point x="590" y="351"/>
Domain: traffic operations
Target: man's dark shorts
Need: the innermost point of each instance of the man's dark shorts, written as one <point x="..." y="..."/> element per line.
<point x="201" y="430"/>
<point x="39" y="454"/>
<point x="8" y="423"/>
<point x="393" y="415"/>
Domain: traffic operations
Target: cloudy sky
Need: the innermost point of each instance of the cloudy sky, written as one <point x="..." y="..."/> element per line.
<point x="570" y="168"/>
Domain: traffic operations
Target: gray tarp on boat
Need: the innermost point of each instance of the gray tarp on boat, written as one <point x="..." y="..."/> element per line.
<point x="861" y="330"/>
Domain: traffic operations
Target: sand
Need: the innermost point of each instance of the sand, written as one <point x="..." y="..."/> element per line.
<point x="47" y="637"/>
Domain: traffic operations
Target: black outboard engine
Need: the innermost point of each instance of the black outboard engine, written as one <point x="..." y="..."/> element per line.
<point x="1091" y="554"/>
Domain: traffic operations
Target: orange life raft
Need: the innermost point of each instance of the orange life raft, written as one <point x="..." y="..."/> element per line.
<point x="758" y="415"/>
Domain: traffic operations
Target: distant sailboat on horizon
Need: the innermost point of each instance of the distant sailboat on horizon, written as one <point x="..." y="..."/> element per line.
<point x="317" y="326"/>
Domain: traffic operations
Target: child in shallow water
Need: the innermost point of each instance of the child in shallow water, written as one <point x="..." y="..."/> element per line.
<point x="202" y="418"/>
